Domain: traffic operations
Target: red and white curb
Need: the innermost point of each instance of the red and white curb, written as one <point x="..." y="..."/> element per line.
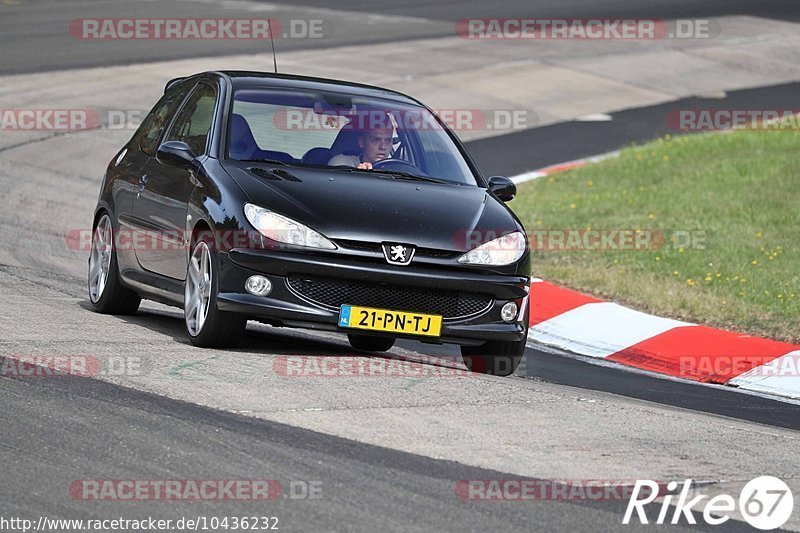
<point x="586" y="326"/>
<point x="561" y="167"/>
<point x="582" y="325"/>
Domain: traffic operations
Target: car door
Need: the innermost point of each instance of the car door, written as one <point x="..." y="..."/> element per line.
<point x="160" y="208"/>
<point x="129" y="168"/>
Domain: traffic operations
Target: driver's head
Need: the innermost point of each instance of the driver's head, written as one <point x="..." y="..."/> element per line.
<point x="375" y="144"/>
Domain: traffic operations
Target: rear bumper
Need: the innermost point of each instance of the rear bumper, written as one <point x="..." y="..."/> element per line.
<point x="285" y="307"/>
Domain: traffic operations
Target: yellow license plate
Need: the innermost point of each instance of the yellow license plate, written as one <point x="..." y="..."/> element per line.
<point x="352" y="316"/>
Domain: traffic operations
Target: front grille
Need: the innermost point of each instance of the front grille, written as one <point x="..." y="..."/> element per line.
<point x="375" y="247"/>
<point x="331" y="293"/>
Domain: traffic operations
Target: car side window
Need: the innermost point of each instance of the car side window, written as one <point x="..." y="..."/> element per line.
<point x="193" y="124"/>
<point x="157" y="120"/>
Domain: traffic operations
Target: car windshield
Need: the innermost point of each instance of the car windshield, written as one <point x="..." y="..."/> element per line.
<point x="356" y="133"/>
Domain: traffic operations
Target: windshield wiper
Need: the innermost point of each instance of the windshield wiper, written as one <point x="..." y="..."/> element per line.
<point x="397" y="174"/>
<point x="408" y="176"/>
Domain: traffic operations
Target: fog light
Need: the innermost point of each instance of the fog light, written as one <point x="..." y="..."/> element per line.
<point x="259" y="285"/>
<point x="509" y="312"/>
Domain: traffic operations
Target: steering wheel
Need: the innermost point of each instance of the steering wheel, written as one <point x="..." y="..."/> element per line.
<point x="400" y="165"/>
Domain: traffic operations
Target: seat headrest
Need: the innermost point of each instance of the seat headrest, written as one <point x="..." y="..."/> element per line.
<point x="242" y="142"/>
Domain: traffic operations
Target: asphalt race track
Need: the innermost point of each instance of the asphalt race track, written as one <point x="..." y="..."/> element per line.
<point x="387" y="452"/>
<point x="33" y="43"/>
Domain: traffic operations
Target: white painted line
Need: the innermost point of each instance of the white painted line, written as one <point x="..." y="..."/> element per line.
<point x="595" y="117"/>
<point x="528" y="176"/>
<point x="780" y="376"/>
<point x="600" y="329"/>
<point x="602" y="157"/>
<point x="542" y="172"/>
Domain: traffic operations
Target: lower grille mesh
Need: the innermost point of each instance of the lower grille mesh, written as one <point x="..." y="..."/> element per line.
<point x="331" y="293"/>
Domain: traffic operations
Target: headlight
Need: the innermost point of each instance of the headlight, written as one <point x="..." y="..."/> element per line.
<point x="499" y="252"/>
<point x="281" y="229"/>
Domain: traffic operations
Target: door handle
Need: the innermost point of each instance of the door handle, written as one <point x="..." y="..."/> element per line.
<point x="142" y="184"/>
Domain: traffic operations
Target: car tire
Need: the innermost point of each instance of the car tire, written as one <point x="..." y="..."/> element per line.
<point x="206" y="325"/>
<point x="106" y="293"/>
<point x="494" y="358"/>
<point x="369" y="343"/>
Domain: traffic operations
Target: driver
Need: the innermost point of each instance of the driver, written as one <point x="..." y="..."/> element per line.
<point x="375" y="144"/>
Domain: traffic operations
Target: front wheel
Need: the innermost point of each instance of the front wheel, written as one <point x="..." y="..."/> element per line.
<point x="106" y="293"/>
<point x="494" y="358"/>
<point x="206" y="325"/>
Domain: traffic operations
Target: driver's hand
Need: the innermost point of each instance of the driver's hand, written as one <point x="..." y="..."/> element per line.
<point x="365" y="166"/>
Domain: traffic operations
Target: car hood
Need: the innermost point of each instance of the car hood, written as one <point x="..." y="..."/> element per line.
<point x="357" y="206"/>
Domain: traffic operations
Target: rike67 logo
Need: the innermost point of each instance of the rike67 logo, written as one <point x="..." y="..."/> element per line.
<point x="765" y="503"/>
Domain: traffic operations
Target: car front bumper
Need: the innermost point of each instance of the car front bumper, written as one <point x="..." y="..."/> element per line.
<point x="284" y="306"/>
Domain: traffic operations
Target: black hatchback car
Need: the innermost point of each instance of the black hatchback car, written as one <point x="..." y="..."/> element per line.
<point x="311" y="203"/>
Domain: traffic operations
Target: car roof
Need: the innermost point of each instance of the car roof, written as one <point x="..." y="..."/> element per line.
<point x="250" y="79"/>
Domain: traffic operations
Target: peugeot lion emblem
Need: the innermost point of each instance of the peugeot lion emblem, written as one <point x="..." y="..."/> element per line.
<point x="398" y="254"/>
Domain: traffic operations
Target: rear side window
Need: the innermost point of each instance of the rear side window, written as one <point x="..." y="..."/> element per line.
<point x="194" y="121"/>
<point x="157" y="120"/>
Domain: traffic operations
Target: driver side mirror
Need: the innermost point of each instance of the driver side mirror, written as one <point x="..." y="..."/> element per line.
<point x="176" y="154"/>
<point x="503" y="188"/>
